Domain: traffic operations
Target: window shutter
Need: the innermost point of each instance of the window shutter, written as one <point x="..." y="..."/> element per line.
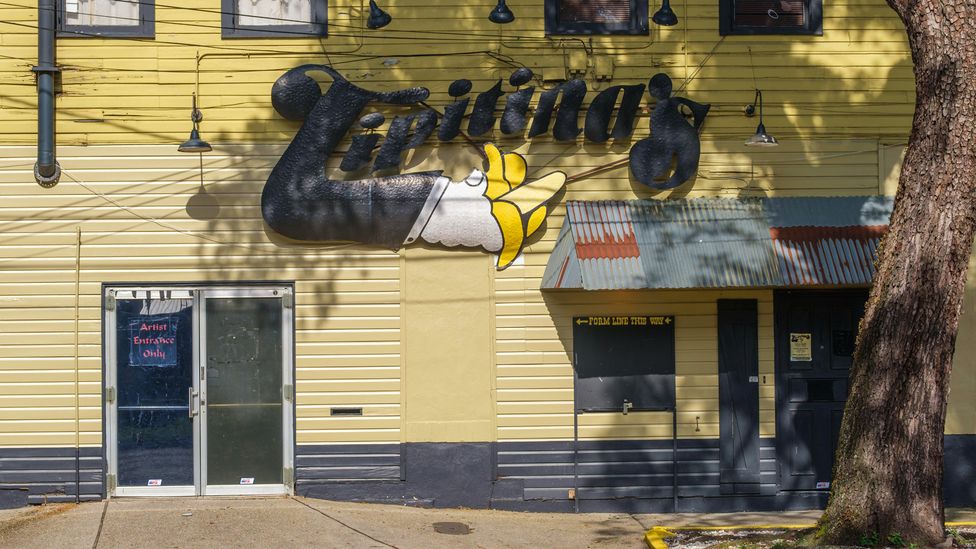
<point x="770" y="13"/>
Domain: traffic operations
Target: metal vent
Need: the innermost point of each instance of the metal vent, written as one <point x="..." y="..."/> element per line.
<point x="346" y="411"/>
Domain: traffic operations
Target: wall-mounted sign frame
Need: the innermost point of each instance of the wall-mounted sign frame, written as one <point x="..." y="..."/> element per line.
<point x="623" y="359"/>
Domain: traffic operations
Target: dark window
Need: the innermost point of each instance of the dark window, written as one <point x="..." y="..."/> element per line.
<point x="596" y="16"/>
<point x="273" y="18"/>
<point x="771" y="17"/>
<point x="95" y="18"/>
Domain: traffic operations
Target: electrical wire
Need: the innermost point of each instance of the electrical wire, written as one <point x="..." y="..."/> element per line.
<point x="174" y="228"/>
<point x="387" y="33"/>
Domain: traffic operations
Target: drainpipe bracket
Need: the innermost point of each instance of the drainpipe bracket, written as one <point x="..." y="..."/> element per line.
<point x="45" y="69"/>
<point x="47" y="181"/>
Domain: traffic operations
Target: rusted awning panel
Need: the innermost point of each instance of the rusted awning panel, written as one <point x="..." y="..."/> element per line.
<point x="718" y="243"/>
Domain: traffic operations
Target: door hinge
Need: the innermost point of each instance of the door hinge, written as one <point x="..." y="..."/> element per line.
<point x="288" y="392"/>
<point x="109" y="395"/>
<point x="288" y="300"/>
<point x="109" y="302"/>
<point x="288" y="475"/>
<point x="112" y="483"/>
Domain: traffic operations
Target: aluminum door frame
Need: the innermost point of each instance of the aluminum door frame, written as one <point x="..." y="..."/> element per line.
<point x="110" y="351"/>
<point x="287" y="400"/>
<point x="111" y="384"/>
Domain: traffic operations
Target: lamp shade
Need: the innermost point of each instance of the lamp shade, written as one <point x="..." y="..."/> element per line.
<point x="665" y="16"/>
<point x="194" y="144"/>
<point x="501" y="14"/>
<point x="377" y="17"/>
<point x="761" y="138"/>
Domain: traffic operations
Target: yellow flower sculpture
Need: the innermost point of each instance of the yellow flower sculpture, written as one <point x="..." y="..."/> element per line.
<point x="519" y="208"/>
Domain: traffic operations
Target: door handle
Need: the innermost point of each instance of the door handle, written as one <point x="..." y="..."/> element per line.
<point x="191" y="394"/>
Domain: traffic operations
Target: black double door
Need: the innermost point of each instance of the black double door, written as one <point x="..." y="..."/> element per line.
<point x="815" y="337"/>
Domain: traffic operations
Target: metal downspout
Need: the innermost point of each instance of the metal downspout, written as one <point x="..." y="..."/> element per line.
<point x="47" y="171"/>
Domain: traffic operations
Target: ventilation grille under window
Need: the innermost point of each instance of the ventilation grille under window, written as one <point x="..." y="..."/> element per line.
<point x="770" y="13"/>
<point x="594" y="11"/>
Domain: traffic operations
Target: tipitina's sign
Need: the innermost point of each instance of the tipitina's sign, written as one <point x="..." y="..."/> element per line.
<point x="495" y="209"/>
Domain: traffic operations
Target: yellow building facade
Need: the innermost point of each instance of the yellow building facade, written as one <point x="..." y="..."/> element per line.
<point x="161" y="333"/>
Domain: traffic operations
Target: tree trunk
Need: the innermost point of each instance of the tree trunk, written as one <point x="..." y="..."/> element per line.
<point x="888" y="467"/>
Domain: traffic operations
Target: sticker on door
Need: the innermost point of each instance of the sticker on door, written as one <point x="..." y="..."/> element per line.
<point x="247" y="480"/>
<point x="155" y="482"/>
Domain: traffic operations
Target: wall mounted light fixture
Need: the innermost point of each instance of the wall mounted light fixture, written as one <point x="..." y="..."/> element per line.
<point x="501" y="14"/>
<point x="194" y="144"/>
<point x="665" y="16"/>
<point x="761" y="138"/>
<point x="377" y="17"/>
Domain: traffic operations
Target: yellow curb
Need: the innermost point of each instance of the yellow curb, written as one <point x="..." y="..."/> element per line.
<point x="654" y="538"/>
<point x="747" y="527"/>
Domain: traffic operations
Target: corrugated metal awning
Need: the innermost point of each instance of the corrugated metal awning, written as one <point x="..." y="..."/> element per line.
<point x="718" y="243"/>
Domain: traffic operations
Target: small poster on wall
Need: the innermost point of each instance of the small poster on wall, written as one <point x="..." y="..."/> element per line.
<point x="152" y="340"/>
<point x="801" y="349"/>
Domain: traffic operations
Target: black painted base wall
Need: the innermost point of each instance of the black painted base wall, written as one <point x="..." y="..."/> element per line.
<point x="42" y="475"/>
<point x="611" y="476"/>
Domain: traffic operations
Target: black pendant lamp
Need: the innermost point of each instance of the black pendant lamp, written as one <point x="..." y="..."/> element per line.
<point x="501" y="14"/>
<point x="761" y="138"/>
<point x="377" y="17"/>
<point x="194" y="144"/>
<point x="665" y="16"/>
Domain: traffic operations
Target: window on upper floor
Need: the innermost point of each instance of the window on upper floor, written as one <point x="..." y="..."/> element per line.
<point x="273" y="18"/>
<point x="123" y="18"/>
<point x="771" y="17"/>
<point x="596" y="16"/>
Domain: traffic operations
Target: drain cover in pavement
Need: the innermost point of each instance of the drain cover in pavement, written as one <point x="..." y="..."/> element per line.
<point x="452" y="528"/>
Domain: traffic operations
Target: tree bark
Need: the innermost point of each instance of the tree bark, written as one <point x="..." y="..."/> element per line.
<point x="889" y="462"/>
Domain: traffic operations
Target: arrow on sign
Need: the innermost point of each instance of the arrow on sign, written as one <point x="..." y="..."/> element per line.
<point x="582" y="321"/>
<point x="667" y="320"/>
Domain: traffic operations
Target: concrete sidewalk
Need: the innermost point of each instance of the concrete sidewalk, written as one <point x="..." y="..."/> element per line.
<point x="297" y="522"/>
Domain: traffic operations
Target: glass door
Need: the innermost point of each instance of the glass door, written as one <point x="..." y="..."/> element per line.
<point x="153" y="358"/>
<point x="199" y="391"/>
<point x="245" y="412"/>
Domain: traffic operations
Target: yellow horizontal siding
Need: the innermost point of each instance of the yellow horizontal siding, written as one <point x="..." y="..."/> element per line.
<point x="534" y="366"/>
<point x="855" y="80"/>
<point x="347" y="300"/>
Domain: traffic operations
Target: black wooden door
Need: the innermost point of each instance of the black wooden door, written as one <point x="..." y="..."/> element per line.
<point x="738" y="390"/>
<point x="815" y="334"/>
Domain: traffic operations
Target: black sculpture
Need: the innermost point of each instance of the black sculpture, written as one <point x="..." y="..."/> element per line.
<point x="299" y="201"/>
<point x="567" y="116"/>
<point x="483" y="115"/>
<point x="517" y="104"/>
<point x="454" y="113"/>
<point x="601" y="110"/>
<point x="495" y="209"/>
<point x="361" y="148"/>
<point x="672" y="139"/>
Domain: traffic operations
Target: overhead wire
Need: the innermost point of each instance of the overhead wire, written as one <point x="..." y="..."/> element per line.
<point x="270" y="30"/>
